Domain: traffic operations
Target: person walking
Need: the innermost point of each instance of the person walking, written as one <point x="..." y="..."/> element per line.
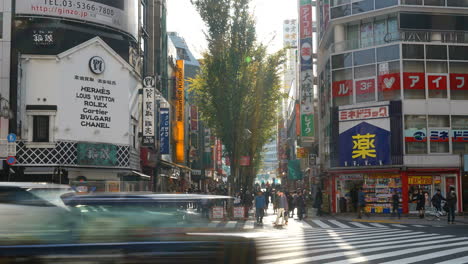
<point x="300" y="203"/>
<point x="318" y="202"/>
<point x="267" y="201"/>
<point x="260" y="205"/>
<point x="361" y="203"/>
<point x="421" y="202"/>
<point x="396" y="204"/>
<point x="281" y="209"/>
<point x="451" y="203"/>
<point x="437" y="200"/>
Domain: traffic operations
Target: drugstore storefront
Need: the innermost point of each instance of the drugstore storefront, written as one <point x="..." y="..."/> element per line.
<point x="380" y="184"/>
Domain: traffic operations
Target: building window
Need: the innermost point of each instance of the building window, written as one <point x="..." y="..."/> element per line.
<point x="460" y="3"/>
<point x="367" y="35"/>
<point x="182" y="54"/>
<point x="415" y="134"/>
<point x="413" y="51"/>
<point x="414" y="80"/>
<point x="41" y="129"/>
<point x="439" y="133"/>
<point x="342" y="87"/>
<point x="459" y="134"/>
<point x="364" y="81"/>
<point x="458" y="80"/>
<point x="1" y="25"/>
<point x="389" y="84"/>
<point x="437" y="79"/>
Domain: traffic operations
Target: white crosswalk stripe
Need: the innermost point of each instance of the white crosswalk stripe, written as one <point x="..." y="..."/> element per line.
<point x="418" y="225"/>
<point x="398" y="225"/>
<point x="321" y="224"/>
<point x="339" y="224"/>
<point x="374" y="242"/>
<point x="249" y="224"/>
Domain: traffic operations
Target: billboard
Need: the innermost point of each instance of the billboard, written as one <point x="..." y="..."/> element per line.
<point x="118" y="14"/>
<point x="179" y="131"/>
<point x="148" y="116"/>
<point x="95" y="105"/>
<point x="164" y="131"/>
<point x="364" y="136"/>
<point x="290" y="33"/>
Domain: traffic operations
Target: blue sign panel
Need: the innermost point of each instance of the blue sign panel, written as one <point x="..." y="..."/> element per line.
<point x="164" y="131"/>
<point x="365" y="145"/>
<point x="11" y="138"/>
<point x="306" y="53"/>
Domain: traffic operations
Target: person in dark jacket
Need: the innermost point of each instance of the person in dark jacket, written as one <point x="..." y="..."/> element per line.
<point x="396" y="203"/>
<point x="260" y="204"/>
<point x="421" y="203"/>
<point x="437" y="200"/>
<point x="300" y="204"/>
<point x="451" y="203"/>
<point x="318" y="202"/>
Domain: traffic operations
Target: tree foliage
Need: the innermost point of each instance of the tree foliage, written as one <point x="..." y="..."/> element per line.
<point x="238" y="86"/>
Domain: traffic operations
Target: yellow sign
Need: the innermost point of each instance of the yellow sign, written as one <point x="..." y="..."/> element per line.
<point x="423" y="180"/>
<point x="179" y="128"/>
<point x="364" y="146"/>
<point x="302" y="153"/>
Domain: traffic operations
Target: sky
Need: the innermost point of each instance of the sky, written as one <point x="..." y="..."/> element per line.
<point x="270" y="14"/>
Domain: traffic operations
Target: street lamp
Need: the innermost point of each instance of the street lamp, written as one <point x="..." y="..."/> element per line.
<point x="5" y="110"/>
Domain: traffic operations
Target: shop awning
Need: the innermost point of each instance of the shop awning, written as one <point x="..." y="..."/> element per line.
<point x="171" y="164"/>
<point x="39" y="170"/>
<point x="141" y="174"/>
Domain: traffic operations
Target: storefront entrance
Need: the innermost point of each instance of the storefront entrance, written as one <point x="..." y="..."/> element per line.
<point x="429" y="184"/>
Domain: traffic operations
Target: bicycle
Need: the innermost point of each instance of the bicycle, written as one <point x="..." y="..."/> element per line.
<point x="432" y="214"/>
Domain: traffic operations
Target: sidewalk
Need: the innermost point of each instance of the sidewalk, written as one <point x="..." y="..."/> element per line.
<point x="379" y="218"/>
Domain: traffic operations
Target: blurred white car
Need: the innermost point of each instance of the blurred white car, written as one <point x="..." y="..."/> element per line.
<point x="33" y="212"/>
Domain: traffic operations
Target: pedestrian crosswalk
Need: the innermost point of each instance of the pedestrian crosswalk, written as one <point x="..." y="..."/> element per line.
<point x="370" y="244"/>
<point x="313" y="223"/>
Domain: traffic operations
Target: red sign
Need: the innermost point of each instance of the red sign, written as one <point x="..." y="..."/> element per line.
<point x="11" y="160"/>
<point x="245" y="161"/>
<point x="389" y="82"/>
<point x="364" y="113"/>
<point x="219" y="153"/>
<point x="342" y="88"/>
<point x="194" y="118"/>
<point x="365" y="86"/>
<point x="305" y="19"/>
<point x="458" y="81"/>
<point x="414" y="80"/>
<point x="298" y="120"/>
<point x="437" y="82"/>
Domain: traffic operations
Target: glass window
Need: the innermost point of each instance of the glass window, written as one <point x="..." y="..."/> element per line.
<point x="458" y="52"/>
<point x="365" y="89"/>
<point x="364" y="57"/>
<point x="392" y="25"/>
<point x="362" y="6"/>
<point x="458" y="80"/>
<point x="380" y="30"/>
<point x="342" y="61"/>
<point x="436" y="67"/>
<point x="436" y="52"/>
<point x="367" y="38"/>
<point x="386" y="3"/>
<point x="388" y="53"/>
<point x="352" y="35"/>
<point x="340" y="11"/>
<point x="339" y="2"/>
<point x="439" y="121"/>
<point x="414" y="80"/>
<point x="1" y="25"/>
<point x="459" y="134"/>
<point x="342" y="87"/>
<point x="389" y="83"/>
<point x="415" y="134"/>
<point x="412" y="2"/>
<point x="364" y="71"/>
<point x="413" y="51"/>
<point x="434" y="2"/>
<point x="462" y="3"/>
<point x="41" y="129"/>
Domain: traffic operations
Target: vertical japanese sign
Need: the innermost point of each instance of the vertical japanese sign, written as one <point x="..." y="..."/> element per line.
<point x="219" y="154"/>
<point x="148" y="116"/>
<point x="306" y="73"/>
<point x="164" y="131"/>
<point x="290" y="33"/>
<point x="194" y="118"/>
<point x="179" y="128"/>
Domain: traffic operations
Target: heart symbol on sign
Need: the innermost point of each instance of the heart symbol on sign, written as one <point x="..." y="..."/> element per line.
<point x="389" y="82"/>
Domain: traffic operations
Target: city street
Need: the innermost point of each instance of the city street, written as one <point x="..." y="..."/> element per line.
<point x="332" y="240"/>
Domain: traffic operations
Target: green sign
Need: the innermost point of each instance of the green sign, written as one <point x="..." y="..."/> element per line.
<point x="307" y="125"/>
<point x="97" y="154"/>
<point x="294" y="170"/>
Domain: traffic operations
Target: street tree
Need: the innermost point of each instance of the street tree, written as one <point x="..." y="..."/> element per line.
<point x="237" y="87"/>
